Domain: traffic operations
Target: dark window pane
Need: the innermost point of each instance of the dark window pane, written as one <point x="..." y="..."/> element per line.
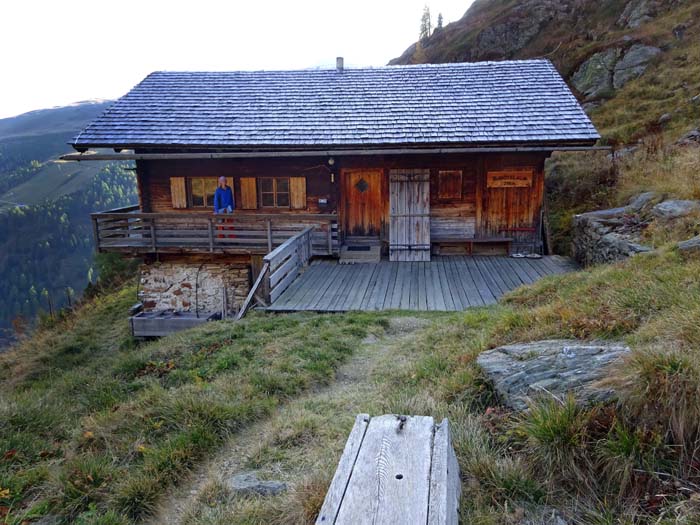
<point x="197" y="192"/>
<point x="283" y="185"/>
<point x="266" y="186"/>
<point x="268" y="199"/>
<point x="283" y="200"/>
<point x="210" y="185"/>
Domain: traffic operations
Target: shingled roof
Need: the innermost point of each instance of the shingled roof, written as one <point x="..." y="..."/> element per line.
<point x="485" y="103"/>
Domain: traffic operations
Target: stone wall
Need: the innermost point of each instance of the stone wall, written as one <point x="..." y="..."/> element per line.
<point x="173" y="285"/>
<point x="596" y="242"/>
<point x="608" y="235"/>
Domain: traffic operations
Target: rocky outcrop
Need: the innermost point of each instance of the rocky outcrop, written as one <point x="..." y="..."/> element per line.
<point x="611" y="69"/>
<point x="691" y="247"/>
<point x="610" y="235"/>
<point x="634" y="62"/>
<point x="692" y="138"/>
<point x="554" y="367"/>
<point x="504" y="39"/>
<point x="594" y="77"/>
<point x="248" y="484"/>
<point x="674" y="209"/>
<point x="637" y="12"/>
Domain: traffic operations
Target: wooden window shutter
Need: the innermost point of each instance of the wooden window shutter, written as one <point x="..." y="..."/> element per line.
<point x="297" y="193"/>
<point x="449" y="184"/>
<point x="249" y="193"/>
<point x="178" y="192"/>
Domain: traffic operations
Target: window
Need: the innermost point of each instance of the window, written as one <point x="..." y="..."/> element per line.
<point x="201" y="191"/>
<point x="450" y="184"/>
<point x="274" y="192"/>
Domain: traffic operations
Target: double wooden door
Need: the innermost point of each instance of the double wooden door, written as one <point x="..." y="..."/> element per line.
<point x="409" y="215"/>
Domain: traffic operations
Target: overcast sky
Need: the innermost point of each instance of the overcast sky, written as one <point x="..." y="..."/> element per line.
<point x="55" y="52"/>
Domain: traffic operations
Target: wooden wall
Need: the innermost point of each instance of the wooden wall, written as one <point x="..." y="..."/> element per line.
<point x="480" y="211"/>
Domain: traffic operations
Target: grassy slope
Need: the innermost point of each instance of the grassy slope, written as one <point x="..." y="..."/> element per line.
<point x="54" y="179"/>
<point x="91" y="423"/>
<point x="96" y="428"/>
<point x="601" y="465"/>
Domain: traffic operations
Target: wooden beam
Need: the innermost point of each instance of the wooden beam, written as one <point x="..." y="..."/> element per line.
<point x="328" y="153"/>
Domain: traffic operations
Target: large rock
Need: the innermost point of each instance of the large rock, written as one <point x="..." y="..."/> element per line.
<point x="673" y="209"/>
<point x="637" y="12"/>
<point x="633" y="64"/>
<point x="247" y="483"/>
<point x="595" y="76"/>
<point x="690" y="247"/>
<point x="556" y="367"/>
<point x="692" y="138"/>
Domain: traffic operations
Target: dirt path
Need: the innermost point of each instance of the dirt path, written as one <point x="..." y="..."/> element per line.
<point x="315" y="425"/>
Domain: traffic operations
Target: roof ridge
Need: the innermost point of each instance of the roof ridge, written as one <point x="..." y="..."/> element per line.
<point x="358" y="68"/>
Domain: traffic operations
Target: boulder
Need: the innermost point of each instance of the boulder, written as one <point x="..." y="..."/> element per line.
<point x="690" y="247"/>
<point x="672" y="209"/>
<point x="594" y="77"/>
<point x="247" y="483"/>
<point x="692" y="138"/>
<point x="634" y="62"/>
<point x="666" y="117"/>
<point x="640" y="201"/>
<point x="637" y="12"/>
<point x="556" y="367"/>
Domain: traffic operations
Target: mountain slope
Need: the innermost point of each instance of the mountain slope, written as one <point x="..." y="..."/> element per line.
<point x="640" y="58"/>
<point x="46" y="246"/>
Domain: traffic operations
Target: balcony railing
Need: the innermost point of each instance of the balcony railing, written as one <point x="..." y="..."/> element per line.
<point x="128" y="230"/>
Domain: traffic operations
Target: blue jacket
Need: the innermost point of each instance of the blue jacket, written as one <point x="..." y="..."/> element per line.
<point x="223" y="198"/>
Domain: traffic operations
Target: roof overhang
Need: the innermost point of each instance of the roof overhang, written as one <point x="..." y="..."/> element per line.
<point x="277" y="153"/>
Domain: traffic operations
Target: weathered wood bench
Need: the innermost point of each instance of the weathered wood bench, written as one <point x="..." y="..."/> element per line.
<point x="447" y="245"/>
<point x="395" y="469"/>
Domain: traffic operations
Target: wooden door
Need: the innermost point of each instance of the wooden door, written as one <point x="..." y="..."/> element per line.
<point x="362" y="201"/>
<point x="511" y="207"/>
<point x="409" y="215"/>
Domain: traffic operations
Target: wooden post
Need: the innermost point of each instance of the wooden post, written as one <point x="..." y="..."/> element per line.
<point x="269" y="235"/>
<point x="330" y="237"/>
<point x="153" y="235"/>
<point x="211" y="235"/>
<point x="96" y="234"/>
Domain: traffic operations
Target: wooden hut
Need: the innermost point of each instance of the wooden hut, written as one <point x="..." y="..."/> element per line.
<point x="404" y="162"/>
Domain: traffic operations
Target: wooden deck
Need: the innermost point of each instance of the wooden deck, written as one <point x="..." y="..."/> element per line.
<point x="448" y="283"/>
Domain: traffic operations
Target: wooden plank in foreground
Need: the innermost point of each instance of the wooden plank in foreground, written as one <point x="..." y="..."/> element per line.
<point x="395" y="469"/>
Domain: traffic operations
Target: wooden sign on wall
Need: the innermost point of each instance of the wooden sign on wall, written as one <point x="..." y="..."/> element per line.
<point x="509" y="179"/>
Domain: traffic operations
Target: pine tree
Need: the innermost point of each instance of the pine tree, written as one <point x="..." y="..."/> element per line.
<point x="439" y="22"/>
<point x="425" y="24"/>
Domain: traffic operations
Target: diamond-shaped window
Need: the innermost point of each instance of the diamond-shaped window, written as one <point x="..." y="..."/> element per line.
<point x="362" y="185"/>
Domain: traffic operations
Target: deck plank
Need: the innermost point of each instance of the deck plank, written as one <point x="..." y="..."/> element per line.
<point x="445" y="283"/>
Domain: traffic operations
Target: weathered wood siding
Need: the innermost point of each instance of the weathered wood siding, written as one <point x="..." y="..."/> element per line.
<point x="479" y="211"/>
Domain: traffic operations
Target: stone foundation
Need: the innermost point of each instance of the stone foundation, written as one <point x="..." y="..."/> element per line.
<point x="182" y="286"/>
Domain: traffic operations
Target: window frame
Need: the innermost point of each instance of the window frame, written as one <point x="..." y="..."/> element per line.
<point x="190" y="193"/>
<point x="453" y="197"/>
<point x="275" y="192"/>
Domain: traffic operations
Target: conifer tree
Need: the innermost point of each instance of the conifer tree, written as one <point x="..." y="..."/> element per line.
<point x="425" y="24"/>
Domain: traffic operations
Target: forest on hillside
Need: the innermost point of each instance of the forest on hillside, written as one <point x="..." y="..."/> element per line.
<point x="47" y="249"/>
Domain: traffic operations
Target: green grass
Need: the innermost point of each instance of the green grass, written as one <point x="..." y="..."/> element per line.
<point x="94" y="424"/>
<point x="600" y="464"/>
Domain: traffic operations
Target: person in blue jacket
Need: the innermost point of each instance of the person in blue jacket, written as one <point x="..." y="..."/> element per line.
<point x="223" y="197"/>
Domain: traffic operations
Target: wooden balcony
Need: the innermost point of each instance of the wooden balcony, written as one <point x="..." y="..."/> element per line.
<point x="127" y="230"/>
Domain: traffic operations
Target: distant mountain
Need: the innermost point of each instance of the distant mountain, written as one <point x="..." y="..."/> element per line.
<point x="46" y="245"/>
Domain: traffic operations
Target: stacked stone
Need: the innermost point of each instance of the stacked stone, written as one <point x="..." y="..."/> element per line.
<point x="173" y="285"/>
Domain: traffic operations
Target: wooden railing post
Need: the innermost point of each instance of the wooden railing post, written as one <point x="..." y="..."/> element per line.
<point x="153" y="235"/>
<point x="211" y="235"/>
<point x="96" y="234"/>
<point x="269" y="235"/>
